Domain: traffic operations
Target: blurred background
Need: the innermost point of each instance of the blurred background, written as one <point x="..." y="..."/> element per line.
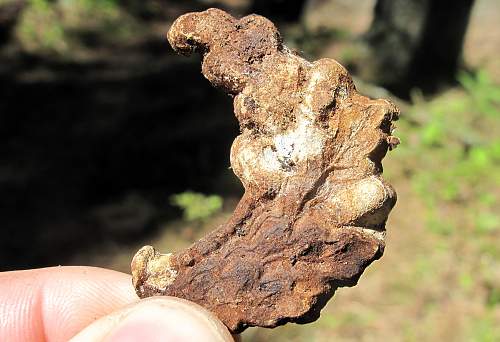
<point x="109" y="141"/>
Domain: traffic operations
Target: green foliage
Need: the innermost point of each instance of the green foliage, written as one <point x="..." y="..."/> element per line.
<point x="484" y="94"/>
<point x="450" y="153"/>
<point x="494" y="297"/>
<point x="196" y="206"/>
<point x="485" y="329"/>
<point x="40" y="27"/>
<point x="432" y="133"/>
<point x="453" y="155"/>
<point x="466" y="281"/>
<point x="57" y="27"/>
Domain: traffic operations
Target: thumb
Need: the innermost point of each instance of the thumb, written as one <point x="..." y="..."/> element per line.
<point x="157" y="319"/>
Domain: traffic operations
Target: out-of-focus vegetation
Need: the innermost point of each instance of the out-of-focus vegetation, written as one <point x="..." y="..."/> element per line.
<point x="63" y="26"/>
<point x="451" y="157"/>
<point x="452" y="152"/>
<point x="196" y="206"/>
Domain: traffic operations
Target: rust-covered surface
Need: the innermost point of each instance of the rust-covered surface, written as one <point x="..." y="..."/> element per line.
<point x="309" y="156"/>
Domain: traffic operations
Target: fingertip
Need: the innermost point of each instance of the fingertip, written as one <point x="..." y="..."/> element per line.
<point x="76" y="296"/>
<point x="157" y="319"/>
<point x="56" y="303"/>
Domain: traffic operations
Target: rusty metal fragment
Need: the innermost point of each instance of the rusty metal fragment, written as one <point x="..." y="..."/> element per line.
<point x="309" y="156"/>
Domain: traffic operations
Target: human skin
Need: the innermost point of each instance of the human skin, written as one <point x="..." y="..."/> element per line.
<point x="95" y="304"/>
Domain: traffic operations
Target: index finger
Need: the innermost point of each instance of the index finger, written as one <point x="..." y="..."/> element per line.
<point x="55" y="303"/>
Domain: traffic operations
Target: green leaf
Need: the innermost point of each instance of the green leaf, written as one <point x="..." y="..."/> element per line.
<point x="197" y="206"/>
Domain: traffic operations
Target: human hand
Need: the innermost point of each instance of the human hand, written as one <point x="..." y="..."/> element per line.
<point x="94" y="304"/>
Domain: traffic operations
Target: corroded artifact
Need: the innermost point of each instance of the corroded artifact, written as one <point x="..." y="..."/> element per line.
<point x="309" y="156"/>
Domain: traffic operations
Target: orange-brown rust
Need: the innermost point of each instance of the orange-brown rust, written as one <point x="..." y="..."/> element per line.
<point x="309" y="156"/>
